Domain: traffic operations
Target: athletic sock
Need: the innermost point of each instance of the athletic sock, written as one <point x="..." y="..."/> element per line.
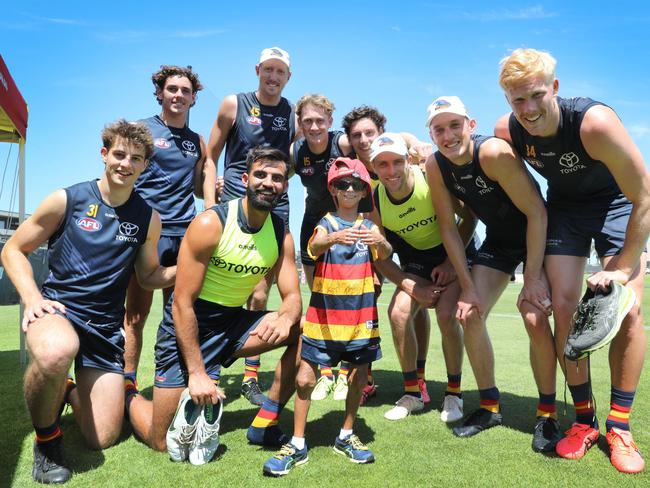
<point x="264" y="430"/>
<point x="421" y="363"/>
<point x="411" y="386"/>
<point x="453" y="385"/>
<point x="130" y="389"/>
<point x="489" y="399"/>
<point x="546" y="406"/>
<point x="48" y="434"/>
<point x="326" y="371"/>
<point x="69" y="386"/>
<point x="344" y="369"/>
<point x="268" y="415"/>
<point x="250" y="369"/>
<point x="620" y="406"/>
<point x="582" y="401"/>
<point x="345" y="433"/>
<point x="298" y="442"/>
<point x="133" y="376"/>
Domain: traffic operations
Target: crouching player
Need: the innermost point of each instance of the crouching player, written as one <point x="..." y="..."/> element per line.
<point x="341" y="323"/>
<point x="225" y="253"/>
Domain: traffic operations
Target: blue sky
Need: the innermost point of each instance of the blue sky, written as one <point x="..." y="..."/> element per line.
<point x="81" y="65"/>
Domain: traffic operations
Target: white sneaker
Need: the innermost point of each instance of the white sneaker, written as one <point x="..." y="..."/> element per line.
<point x="341" y="388"/>
<point x="206" y="440"/>
<point x="404" y="406"/>
<point x="183" y="427"/>
<point x="452" y="409"/>
<point x="323" y="387"/>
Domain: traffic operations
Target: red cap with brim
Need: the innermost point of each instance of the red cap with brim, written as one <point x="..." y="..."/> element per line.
<point x="348" y="167"/>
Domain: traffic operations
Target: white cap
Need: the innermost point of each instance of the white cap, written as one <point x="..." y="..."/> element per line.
<point x="388" y="142"/>
<point x="445" y="105"/>
<point x="275" y="53"/>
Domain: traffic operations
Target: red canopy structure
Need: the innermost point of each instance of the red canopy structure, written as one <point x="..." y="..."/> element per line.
<point x="13" y="109"/>
<point x="13" y="128"/>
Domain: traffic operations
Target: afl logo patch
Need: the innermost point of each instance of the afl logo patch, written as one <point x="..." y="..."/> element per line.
<point x="161" y="143"/>
<point x="308" y="171"/>
<point x="252" y="120"/>
<point x="188" y="146"/>
<point x="88" y="224"/>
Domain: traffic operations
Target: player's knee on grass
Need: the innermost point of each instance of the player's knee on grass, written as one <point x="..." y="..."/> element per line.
<point x="104" y="439"/>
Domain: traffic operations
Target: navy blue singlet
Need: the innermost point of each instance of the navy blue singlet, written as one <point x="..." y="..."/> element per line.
<point x="91" y="255"/>
<point x="312" y="169"/>
<point x="504" y="222"/>
<point x="574" y="177"/>
<point x="255" y="125"/>
<point x="167" y="184"/>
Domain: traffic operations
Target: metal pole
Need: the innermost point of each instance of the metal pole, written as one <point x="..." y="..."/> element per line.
<point x="21" y="217"/>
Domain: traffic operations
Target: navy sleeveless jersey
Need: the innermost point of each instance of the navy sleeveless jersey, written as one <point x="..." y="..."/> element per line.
<point x="312" y="169"/>
<point x="91" y="255"/>
<point x="255" y="125"/>
<point x="574" y="177"/>
<point x="504" y="222"/>
<point x="167" y="184"/>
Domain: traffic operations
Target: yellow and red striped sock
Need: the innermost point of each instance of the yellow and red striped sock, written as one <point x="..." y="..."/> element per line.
<point x="489" y="399"/>
<point x="620" y="407"/>
<point x="453" y="385"/>
<point x="250" y="369"/>
<point x="581" y="395"/>
<point x="411" y="386"/>
<point x="48" y="434"/>
<point x="546" y="406"/>
<point x="268" y="415"/>
<point x="420" y="365"/>
<point x="326" y="371"/>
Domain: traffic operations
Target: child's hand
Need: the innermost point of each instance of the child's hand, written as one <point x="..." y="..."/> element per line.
<point x="346" y="236"/>
<point x="368" y="237"/>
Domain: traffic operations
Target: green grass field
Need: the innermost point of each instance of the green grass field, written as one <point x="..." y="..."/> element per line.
<point x="418" y="451"/>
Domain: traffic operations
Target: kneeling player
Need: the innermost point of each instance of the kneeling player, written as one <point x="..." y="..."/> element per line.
<point x="98" y="232"/>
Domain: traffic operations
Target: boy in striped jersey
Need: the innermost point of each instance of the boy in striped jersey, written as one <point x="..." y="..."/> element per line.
<point x="341" y="322"/>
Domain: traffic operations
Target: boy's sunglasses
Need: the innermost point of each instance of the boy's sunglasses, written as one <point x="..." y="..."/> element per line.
<point x="343" y="184"/>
